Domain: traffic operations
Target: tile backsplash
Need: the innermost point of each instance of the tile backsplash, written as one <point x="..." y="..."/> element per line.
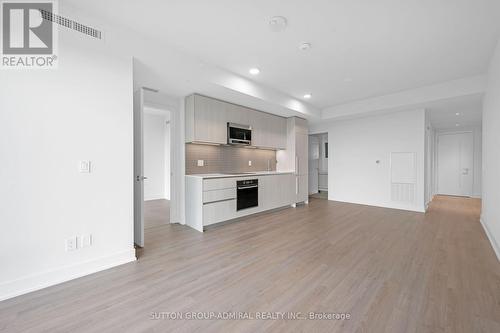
<point x="223" y="159"/>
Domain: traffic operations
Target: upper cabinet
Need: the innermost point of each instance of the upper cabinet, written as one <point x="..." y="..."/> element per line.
<point x="269" y="131"/>
<point x="207" y="118"/>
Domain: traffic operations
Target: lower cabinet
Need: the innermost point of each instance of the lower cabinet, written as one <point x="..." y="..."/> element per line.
<point x="277" y="191"/>
<point x="214" y="200"/>
<point x="219" y="211"/>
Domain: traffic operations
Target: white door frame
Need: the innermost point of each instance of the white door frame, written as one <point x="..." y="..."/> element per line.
<point x="313" y="167"/>
<point x="138" y="177"/>
<point x="436" y="170"/>
<point x="177" y="156"/>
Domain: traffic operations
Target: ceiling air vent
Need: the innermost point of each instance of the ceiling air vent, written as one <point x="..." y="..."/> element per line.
<point x="65" y="22"/>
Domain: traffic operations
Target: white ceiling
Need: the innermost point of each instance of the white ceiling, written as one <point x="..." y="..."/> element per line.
<point x="360" y="48"/>
<point x="443" y="114"/>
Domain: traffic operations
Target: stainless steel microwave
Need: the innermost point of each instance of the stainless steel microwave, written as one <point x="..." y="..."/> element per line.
<point x="239" y="134"/>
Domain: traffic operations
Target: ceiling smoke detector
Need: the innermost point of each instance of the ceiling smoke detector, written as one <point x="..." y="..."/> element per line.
<point x="305" y="46"/>
<point x="277" y="23"/>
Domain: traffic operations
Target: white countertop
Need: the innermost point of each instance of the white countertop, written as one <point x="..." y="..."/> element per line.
<point x="231" y="175"/>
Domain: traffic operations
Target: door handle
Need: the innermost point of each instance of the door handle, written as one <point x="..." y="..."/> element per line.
<point x="139" y="178"/>
<point x="466" y="171"/>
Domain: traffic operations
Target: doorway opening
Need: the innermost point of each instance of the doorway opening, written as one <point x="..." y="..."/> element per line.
<point x="156" y="128"/>
<point x="318" y="165"/>
<point x="158" y="170"/>
<point x="453" y="148"/>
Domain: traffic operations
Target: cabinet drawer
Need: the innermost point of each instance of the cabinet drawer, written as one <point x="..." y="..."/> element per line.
<point x="219" y="212"/>
<point x="218" y="195"/>
<point x="218" y="184"/>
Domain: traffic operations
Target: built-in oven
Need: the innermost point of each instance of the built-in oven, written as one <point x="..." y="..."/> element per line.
<point x="239" y="134"/>
<point x="247" y="194"/>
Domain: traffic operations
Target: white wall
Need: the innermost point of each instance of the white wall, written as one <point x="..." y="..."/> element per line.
<point x="490" y="217"/>
<point x="354" y="147"/>
<point x="49" y="120"/>
<point x="156" y="157"/>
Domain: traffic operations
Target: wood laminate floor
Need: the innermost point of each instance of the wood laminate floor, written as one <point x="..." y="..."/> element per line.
<point x="156" y="213"/>
<point x="392" y="271"/>
<point x="320" y="195"/>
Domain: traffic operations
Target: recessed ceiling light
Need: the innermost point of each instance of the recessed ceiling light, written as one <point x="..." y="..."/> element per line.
<point x="277" y="23"/>
<point x="305" y="46"/>
<point x="254" y="71"/>
<point x="457" y="125"/>
<point x="457" y="114"/>
<point x="307" y="96"/>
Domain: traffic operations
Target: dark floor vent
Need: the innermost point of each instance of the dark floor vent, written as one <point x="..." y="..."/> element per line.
<point x="65" y="22"/>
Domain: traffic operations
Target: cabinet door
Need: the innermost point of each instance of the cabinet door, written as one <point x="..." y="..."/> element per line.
<point x="238" y="114"/>
<point x="302" y="189"/>
<point x="301" y="151"/>
<point x="281" y="134"/>
<point x="210" y="121"/>
<point x="276" y="191"/>
<point x="270" y="131"/>
<point x="259" y="129"/>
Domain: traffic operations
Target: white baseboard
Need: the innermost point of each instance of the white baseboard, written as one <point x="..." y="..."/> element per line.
<point x="492" y="240"/>
<point x="42" y="280"/>
<point x="384" y="205"/>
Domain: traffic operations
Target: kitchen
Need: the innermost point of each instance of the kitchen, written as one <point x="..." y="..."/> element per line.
<point x="241" y="161"/>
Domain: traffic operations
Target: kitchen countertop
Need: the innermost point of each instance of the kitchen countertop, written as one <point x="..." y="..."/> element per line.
<point x="231" y="175"/>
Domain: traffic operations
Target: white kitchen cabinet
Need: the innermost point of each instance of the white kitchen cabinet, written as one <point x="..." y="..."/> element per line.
<point x="214" y="200"/>
<point x="239" y="115"/>
<point x="259" y="130"/>
<point x="296" y="156"/>
<point x="302" y="151"/>
<point x="269" y="131"/>
<point x="279" y="136"/>
<point x="218" y="211"/>
<point x="302" y="188"/>
<point x="206" y="120"/>
<point x="277" y="191"/>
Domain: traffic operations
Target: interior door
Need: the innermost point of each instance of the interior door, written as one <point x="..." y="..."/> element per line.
<point x="313" y="164"/>
<point x="138" y="168"/>
<point x="455" y="164"/>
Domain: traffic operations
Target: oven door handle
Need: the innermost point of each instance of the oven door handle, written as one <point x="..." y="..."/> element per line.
<point x="246" y="187"/>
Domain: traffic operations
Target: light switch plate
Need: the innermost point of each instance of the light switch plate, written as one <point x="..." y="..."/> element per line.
<point x="84" y="166"/>
<point x="85" y="241"/>
<point x="249" y="163"/>
<point x="201" y="163"/>
<point x="71" y="244"/>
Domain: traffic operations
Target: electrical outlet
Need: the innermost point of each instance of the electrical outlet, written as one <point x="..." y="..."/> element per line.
<point x="84" y="166"/>
<point x="249" y="163"/>
<point x="201" y="163"/>
<point x="85" y="240"/>
<point x="71" y="244"/>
